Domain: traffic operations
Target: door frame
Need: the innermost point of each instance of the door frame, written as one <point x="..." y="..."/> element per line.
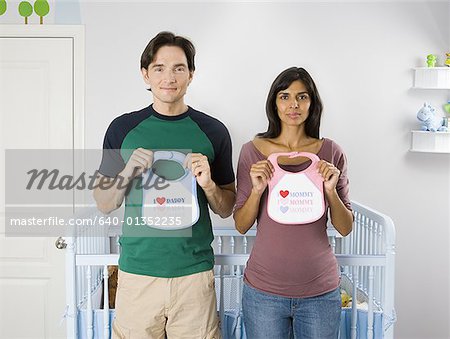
<point x="77" y="34"/>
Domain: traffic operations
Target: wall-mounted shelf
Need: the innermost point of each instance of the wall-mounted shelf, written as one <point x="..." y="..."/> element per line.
<point x="432" y="77"/>
<point x="430" y="142"/>
<point x="425" y="141"/>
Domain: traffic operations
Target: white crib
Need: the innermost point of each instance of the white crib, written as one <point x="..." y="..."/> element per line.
<point x="366" y="258"/>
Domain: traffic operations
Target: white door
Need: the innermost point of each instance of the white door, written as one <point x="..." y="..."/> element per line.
<point x="36" y="112"/>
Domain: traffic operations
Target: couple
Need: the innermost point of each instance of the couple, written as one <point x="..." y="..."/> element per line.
<point x="166" y="283"/>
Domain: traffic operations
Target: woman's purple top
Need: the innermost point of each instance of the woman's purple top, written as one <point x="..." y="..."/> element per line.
<point x="291" y="260"/>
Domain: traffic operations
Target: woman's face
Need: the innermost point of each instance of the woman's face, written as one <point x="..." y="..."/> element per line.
<point x="293" y="104"/>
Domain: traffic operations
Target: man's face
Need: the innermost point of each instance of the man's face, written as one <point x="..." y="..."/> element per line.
<point x="168" y="75"/>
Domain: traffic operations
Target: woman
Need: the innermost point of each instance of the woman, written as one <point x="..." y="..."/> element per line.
<point x="291" y="281"/>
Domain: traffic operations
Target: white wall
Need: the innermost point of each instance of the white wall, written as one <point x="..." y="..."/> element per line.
<point x="361" y="56"/>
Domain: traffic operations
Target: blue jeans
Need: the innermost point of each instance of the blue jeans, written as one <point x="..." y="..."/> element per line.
<point x="276" y="317"/>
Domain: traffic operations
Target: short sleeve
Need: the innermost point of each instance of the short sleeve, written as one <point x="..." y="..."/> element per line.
<point x="342" y="186"/>
<point x="112" y="162"/>
<point x="222" y="172"/>
<point x="244" y="183"/>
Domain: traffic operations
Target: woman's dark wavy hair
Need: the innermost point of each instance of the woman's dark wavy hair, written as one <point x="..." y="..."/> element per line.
<point x="168" y="39"/>
<point x="282" y="82"/>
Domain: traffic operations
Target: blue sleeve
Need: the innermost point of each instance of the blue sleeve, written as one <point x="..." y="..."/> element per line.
<point x="112" y="162"/>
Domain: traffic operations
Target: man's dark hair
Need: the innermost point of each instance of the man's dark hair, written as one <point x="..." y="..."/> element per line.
<point x="168" y="39"/>
<point x="283" y="81"/>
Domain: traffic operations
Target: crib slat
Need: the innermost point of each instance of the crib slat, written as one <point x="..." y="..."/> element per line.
<point x="89" y="315"/>
<point x="232" y="247"/>
<point x="71" y="289"/>
<point x="354" y="303"/>
<point x="232" y="244"/>
<point x="219" y="244"/>
<point x="333" y="243"/>
<point x="221" y="297"/>
<point x="105" y="303"/>
<point x="370" y="309"/>
<point x="239" y="318"/>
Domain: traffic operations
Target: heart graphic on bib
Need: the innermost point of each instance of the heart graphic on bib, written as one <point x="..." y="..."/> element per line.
<point x="284" y="209"/>
<point x="284" y="194"/>
<point x="160" y="200"/>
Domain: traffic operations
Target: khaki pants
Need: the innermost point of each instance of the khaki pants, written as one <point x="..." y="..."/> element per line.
<point x="151" y="307"/>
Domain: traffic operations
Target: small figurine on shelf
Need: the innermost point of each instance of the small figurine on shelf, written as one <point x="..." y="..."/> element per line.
<point x="447" y="110"/>
<point x="447" y="61"/>
<point x="430" y="121"/>
<point x="431" y="60"/>
<point x="447" y="107"/>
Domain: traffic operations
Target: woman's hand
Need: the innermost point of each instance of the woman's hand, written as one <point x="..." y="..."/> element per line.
<point x="341" y="216"/>
<point x="260" y="174"/>
<point x="330" y="175"/>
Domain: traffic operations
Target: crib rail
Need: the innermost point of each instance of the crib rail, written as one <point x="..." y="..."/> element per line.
<point x="366" y="257"/>
<point x="372" y="241"/>
<point x="230" y="268"/>
<point x="237" y="261"/>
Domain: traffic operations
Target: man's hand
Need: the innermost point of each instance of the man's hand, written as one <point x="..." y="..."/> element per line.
<point x="221" y="199"/>
<point x="199" y="166"/>
<point x="110" y="199"/>
<point x="139" y="162"/>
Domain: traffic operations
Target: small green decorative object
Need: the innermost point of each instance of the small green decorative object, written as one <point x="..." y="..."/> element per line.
<point x="25" y="10"/>
<point x="447" y="107"/>
<point x="431" y="60"/>
<point x="41" y="8"/>
<point x="3" y="7"/>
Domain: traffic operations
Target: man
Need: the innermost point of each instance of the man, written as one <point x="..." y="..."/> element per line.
<point x="166" y="283"/>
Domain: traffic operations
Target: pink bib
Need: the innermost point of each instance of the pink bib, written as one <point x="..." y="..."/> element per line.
<point x="295" y="198"/>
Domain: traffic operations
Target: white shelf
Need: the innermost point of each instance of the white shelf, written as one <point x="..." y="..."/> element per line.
<point x="432" y="77"/>
<point x="430" y="142"/>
